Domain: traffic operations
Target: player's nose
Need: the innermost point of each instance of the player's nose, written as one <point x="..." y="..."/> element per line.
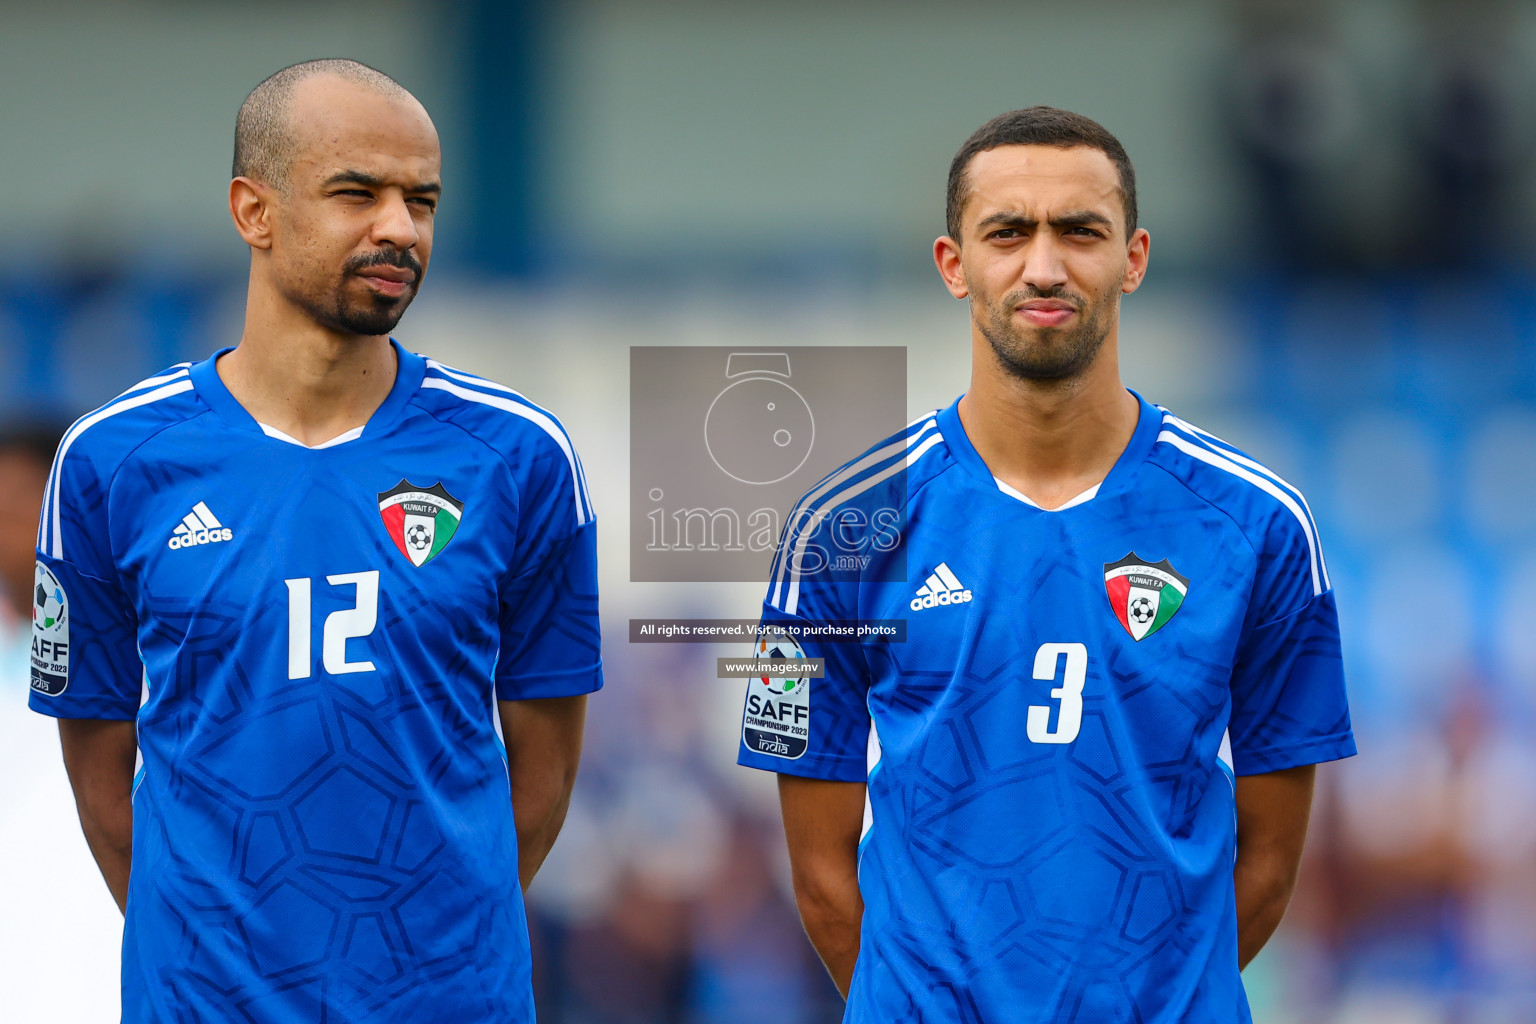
<point x="394" y="224"/>
<point x="1044" y="267"/>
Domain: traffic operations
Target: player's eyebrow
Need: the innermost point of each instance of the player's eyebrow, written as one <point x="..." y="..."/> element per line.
<point x="1008" y="219"/>
<point x="1070" y="219"/>
<point x="1081" y="218"/>
<point x="353" y="177"/>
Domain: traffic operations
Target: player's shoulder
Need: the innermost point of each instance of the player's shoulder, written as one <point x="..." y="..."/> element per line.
<point x="527" y="436"/>
<point x="501" y="417"/>
<point x="886" y="474"/>
<point x="865" y="497"/>
<point x="1271" y="512"/>
<point x="100" y="442"/>
<point x="108" y="434"/>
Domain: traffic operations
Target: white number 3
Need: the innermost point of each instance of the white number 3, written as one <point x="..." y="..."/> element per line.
<point x="1070" y="718"/>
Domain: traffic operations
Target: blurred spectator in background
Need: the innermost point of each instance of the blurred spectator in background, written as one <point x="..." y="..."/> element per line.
<point x="1433" y="874"/>
<point x="667" y="877"/>
<point x="1470" y="131"/>
<point x="750" y="963"/>
<point x="1297" y="109"/>
<point x="628" y="966"/>
<point x="26" y="455"/>
<point x="38" y="831"/>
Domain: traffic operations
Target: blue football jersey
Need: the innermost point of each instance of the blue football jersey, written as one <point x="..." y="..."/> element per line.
<point x="1050" y="828"/>
<point x="322" y="827"/>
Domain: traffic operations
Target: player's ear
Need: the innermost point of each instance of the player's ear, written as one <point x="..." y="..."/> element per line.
<point x="946" y="256"/>
<point x="1136" y="256"/>
<point x="250" y="207"/>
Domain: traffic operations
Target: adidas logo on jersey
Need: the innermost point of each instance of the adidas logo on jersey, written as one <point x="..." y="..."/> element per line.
<point x="941" y="588"/>
<point x="200" y="526"/>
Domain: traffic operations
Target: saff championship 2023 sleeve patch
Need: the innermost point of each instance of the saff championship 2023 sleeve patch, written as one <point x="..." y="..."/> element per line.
<point x="777" y="717"/>
<point x="50" y="633"/>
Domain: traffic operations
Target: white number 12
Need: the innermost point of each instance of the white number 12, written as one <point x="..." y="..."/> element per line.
<point x="1070" y="693"/>
<point x="340" y="626"/>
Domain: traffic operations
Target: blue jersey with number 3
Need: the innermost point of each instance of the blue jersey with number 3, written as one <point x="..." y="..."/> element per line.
<point x="1050" y="828"/>
<point x="322" y="827"/>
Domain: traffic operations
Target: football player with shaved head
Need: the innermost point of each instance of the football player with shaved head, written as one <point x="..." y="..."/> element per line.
<point x="1078" y="790"/>
<point x="339" y="603"/>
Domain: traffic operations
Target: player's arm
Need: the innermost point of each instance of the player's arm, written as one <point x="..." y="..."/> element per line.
<point x="543" y="750"/>
<point x="551" y="649"/>
<point x="1272" y="813"/>
<point x="822" y="821"/>
<point x="1289" y="713"/>
<point x="822" y="768"/>
<point x="86" y="670"/>
<point x="99" y="757"/>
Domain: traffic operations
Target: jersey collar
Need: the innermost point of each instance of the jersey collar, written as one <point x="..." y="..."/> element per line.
<point x="1142" y="440"/>
<point x="410" y="368"/>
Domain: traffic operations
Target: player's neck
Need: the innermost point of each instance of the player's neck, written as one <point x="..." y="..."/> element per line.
<point x="1048" y="440"/>
<point x="306" y="380"/>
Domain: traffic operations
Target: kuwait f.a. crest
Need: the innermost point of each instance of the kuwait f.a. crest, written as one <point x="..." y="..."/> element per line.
<point x="420" y="520"/>
<point x="1144" y="595"/>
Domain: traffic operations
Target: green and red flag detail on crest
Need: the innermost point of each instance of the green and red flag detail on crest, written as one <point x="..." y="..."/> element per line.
<point x="420" y="520"/>
<point x="1144" y="595"/>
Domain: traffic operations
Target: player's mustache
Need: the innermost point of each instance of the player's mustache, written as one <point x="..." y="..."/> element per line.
<point x="404" y="259"/>
<point x="1015" y="298"/>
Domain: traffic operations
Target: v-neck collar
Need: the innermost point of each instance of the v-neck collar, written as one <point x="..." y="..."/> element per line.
<point x="409" y="371"/>
<point x="1136" y="451"/>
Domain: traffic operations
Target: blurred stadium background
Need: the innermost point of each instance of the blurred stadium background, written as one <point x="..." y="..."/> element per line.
<point x="1342" y="200"/>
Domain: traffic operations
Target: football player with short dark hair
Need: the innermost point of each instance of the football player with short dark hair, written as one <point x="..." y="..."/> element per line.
<point x="1078" y="790"/>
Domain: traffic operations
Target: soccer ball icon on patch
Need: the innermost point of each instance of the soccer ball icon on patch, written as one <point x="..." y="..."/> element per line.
<point x="47" y="606"/>
<point x="781" y="651"/>
<point x="1141" y="609"/>
<point x="776" y="646"/>
<point x="419" y="537"/>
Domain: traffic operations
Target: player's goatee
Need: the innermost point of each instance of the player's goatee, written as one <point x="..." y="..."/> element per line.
<point x="1044" y="353"/>
<point x="380" y="317"/>
<point x="380" y="313"/>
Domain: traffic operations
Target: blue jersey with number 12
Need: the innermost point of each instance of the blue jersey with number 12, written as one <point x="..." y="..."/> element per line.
<point x="322" y="825"/>
<point x="1049" y="753"/>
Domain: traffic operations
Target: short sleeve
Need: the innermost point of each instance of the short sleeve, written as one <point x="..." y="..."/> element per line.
<point x="814" y="727"/>
<point x="85" y="656"/>
<point x="1289" y="706"/>
<point x="550" y="637"/>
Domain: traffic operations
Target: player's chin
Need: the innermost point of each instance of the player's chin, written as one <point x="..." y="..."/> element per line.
<point x="1045" y="359"/>
<point x="372" y="318"/>
<point x="1033" y="344"/>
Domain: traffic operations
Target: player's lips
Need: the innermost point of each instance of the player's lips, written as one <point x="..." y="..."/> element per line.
<point x="392" y="281"/>
<point x="1046" y="312"/>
